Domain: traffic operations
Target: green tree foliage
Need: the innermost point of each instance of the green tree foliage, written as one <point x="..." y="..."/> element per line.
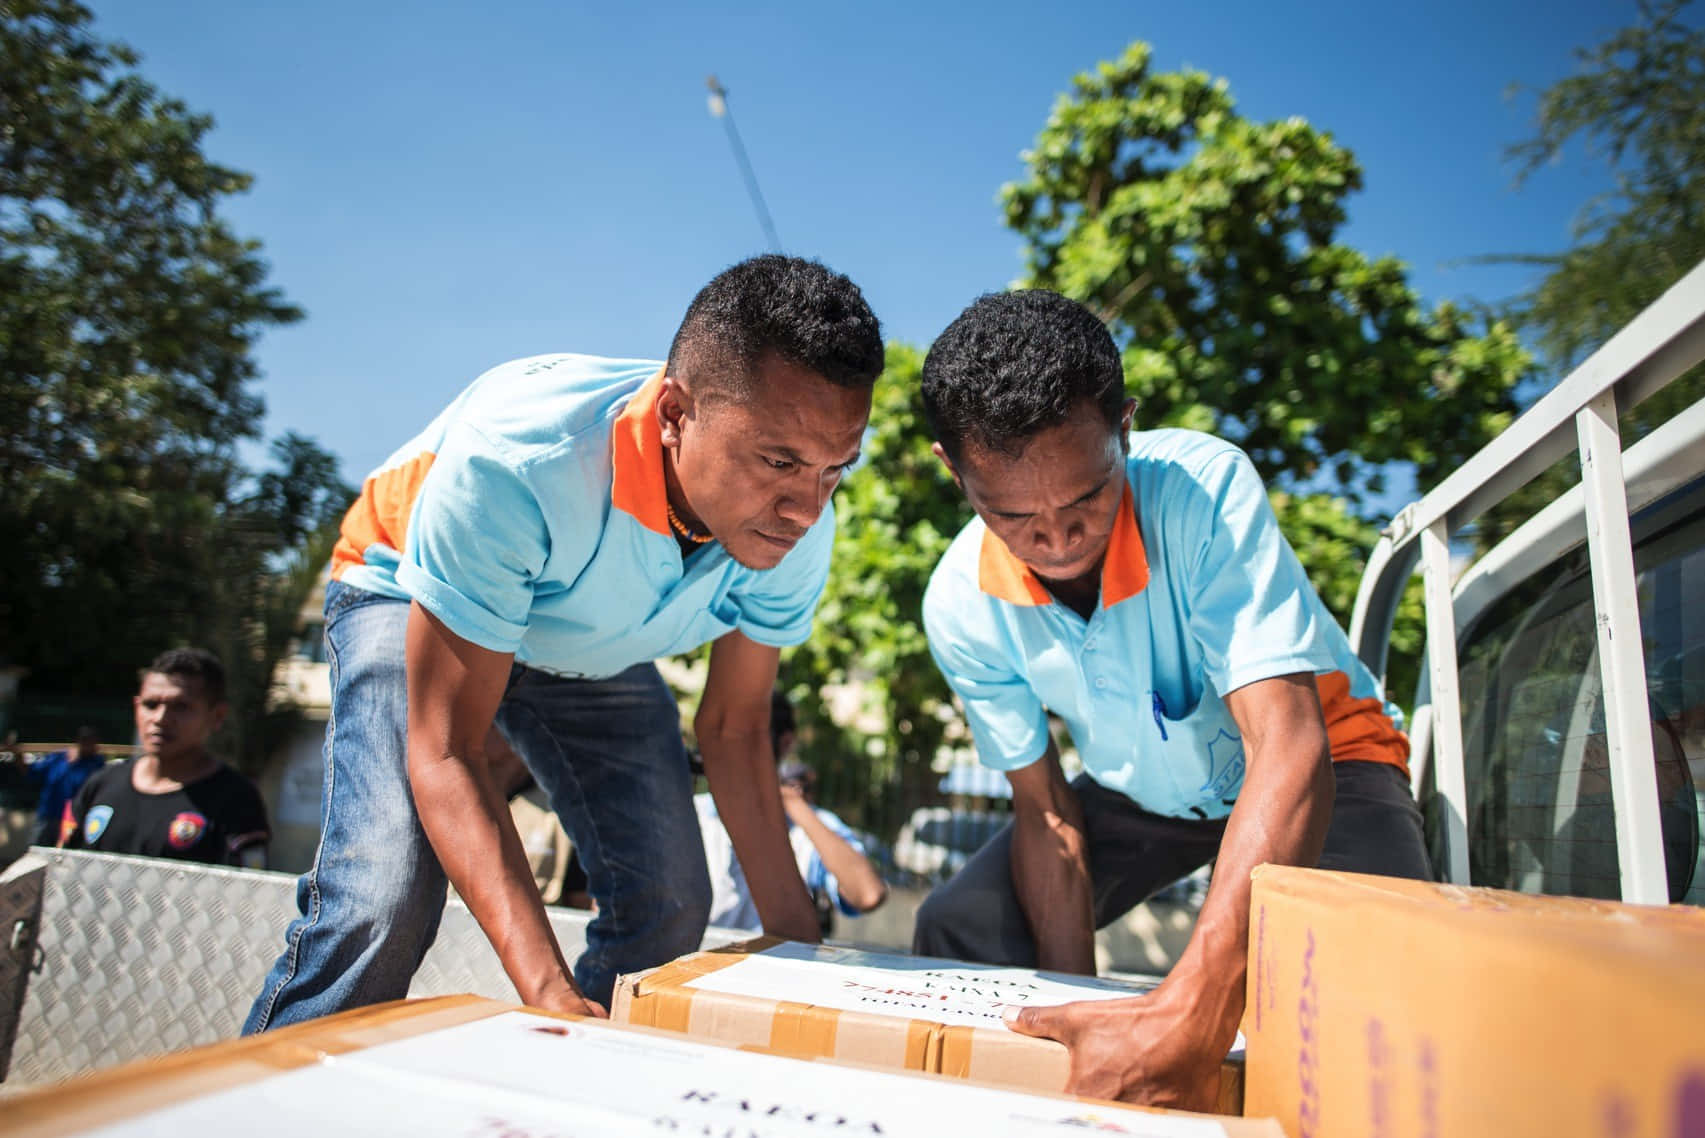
<point x="126" y="379"/>
<point x="1638" y="104"/>
<point x="896" y="515"/>
<point x="1205" y="240"/>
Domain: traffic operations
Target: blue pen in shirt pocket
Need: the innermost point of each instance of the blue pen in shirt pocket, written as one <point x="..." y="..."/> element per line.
<point x="1159" y="715"/>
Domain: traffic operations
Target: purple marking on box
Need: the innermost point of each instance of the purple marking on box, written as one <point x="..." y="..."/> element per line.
<point x="1308" y="1058"/>
<point x="1379" y="1080"/>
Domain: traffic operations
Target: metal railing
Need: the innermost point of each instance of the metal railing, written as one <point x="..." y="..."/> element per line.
<point x="1656" y="348"/>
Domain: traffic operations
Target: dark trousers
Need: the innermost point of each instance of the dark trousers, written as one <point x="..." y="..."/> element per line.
<point x="1375" y="828"/>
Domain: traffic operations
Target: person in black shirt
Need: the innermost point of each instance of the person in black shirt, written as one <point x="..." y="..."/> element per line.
<point x="175" y="799"/>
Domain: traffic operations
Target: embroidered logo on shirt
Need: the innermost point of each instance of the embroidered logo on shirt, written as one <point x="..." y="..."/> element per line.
<point x="95" y="821"/>
<point x="186" y="829"/>
<point x="1225" y="765"/>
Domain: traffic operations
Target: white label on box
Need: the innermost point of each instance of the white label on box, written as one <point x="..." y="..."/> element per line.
<point x="518" y="1075"/>
<point x="970" y="995"/>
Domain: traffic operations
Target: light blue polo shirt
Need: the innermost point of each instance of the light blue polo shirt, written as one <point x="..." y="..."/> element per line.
<point x="1201" y="595"/>
<point x="529" y="518"/>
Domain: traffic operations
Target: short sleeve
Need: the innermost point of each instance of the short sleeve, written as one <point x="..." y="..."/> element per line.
<point x="817" y="875"/>
<point x="1008" y="722"/>
<point x="42" y="770"/>
<point x="248" y="826"/>
<point x="1252" y="607"/>
<point x="476" y="542"/>
<point x="777" y="605"/>
<point x="76" y="809"/>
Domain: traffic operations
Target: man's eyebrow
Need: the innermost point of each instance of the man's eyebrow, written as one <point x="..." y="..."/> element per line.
<point x="1078" y="501"/>
<point x="788" y="454"/>
<point x="1092" y="491"/>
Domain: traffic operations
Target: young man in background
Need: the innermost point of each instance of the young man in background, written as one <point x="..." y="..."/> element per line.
<point x="175" y="799"/>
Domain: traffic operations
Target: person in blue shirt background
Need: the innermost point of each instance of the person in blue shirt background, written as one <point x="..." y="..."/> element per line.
<point x="829" y="854"/>
<point x="60" y="776"/>
<point x="1135" y="586"/>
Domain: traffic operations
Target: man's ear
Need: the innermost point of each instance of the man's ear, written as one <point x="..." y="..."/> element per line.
<point x="1127" y="416"/>
<point x="940" y="452"/>
<point x="674" y="407"/>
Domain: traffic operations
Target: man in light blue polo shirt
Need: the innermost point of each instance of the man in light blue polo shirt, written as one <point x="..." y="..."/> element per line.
<point x="517" y="567"/>
<point x="1137" y="587"/>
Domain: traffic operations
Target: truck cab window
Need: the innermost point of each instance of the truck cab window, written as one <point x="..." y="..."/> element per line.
<point x="1540" y="807"/>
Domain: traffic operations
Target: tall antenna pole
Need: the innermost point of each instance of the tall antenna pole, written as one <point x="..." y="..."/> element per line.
<point x="719" y="109"/>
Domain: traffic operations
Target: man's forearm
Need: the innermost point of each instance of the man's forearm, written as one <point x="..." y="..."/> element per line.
<point x="1050" y="872"/>
<point x="1281" y="817"/>
<point x="470" y="831"/>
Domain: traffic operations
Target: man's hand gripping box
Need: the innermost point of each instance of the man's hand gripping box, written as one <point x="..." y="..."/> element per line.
<point x="882" y="1009"/>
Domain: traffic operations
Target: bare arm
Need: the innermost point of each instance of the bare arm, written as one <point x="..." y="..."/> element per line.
<point x="1281" y="816"/>
<point x="733" y="729"/>
<point x="1050" y="865"/>
<point x="859" y="883"/>
<point x="454" y="688"/>
<point x="1165" y="1048"/>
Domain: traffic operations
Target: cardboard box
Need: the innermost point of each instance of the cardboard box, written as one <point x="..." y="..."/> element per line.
<point x="476" y="1068"/>
<point x="1407" y="1009"/>
<point x="899" y="1012"/>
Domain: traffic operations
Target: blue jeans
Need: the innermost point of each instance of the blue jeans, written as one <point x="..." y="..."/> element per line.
<point x="608" y="753"/>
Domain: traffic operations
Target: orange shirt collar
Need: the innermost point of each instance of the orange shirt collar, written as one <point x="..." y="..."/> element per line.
<point x="638" y="488"/>
<point x="1124" y="571"/>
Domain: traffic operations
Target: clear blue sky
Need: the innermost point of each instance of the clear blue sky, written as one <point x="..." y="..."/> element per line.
<point x="445" y="186"/>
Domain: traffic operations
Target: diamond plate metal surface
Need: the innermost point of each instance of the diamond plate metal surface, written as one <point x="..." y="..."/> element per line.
<point x="140" y="957"/>
<point x="20" y="915"/>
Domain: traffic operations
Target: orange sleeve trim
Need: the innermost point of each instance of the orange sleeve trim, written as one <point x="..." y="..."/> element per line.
<point x="1359" y="729"/>
<point x="638" y="489"/>
<point x="380" y="515"/>
<point x="1124" y="568"/>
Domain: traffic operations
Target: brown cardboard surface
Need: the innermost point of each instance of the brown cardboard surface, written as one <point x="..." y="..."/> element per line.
<point x="124" y="1092"/>
<point x="1407" y="1009"/>
<point x="660" y="997"/>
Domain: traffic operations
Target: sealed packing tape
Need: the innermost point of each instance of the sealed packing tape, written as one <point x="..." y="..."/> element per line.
<point x="883" y="1009"/>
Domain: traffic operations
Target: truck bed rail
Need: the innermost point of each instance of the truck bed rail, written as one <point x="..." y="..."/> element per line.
<point x="1653" y="350"/>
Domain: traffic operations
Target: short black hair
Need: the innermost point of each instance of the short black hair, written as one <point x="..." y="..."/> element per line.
<point x="799" y="310"/>
<point x="1014" y="364"/>
<point x="197" y="662"/>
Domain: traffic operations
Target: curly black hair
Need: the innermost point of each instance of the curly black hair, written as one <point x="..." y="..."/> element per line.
<point x="1014" y="364"/>
<point x="196" y="662"/>
<point x="799" y="310"/>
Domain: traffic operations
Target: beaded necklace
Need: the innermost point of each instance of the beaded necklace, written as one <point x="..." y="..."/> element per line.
<point x="681" y="528"/>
